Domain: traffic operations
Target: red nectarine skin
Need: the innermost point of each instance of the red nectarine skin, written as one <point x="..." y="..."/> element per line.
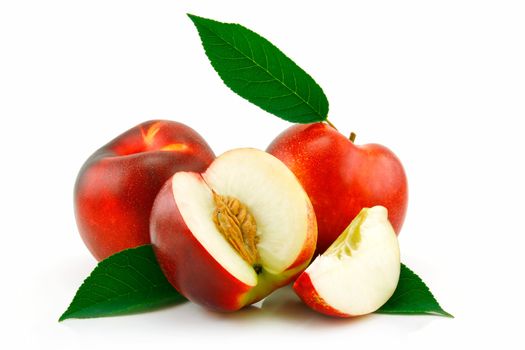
<point x="341" y="178"/>
<point x="304" y="288"/>
<point x="186" y="263"/>
<point x="117" y="185"/>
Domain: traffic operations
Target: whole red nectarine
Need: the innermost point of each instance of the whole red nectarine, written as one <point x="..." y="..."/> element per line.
<point x="117" y="185"/>
<point x="341" y="177"/>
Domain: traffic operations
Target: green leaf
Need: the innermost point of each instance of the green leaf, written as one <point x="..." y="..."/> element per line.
<point x="261" y="73"/>
<point x="412" y="297"/>
<point x="127" y="282"/>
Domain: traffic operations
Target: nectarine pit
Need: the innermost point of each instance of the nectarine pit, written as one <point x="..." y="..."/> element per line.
<point x="235" y="222"/>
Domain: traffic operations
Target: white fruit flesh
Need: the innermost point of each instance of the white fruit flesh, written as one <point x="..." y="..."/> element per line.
<point x="359" y="272"/>
<point x="272" y="195"/>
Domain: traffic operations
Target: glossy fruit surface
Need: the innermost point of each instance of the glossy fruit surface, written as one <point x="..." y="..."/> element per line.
<point x="341" y="177"/>
<point x="116" y="186"/>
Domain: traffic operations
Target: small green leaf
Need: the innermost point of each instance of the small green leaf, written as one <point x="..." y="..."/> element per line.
<point x="261" y="73"/>
<point x="412" y="297"/>
<point x="127" y="282"/>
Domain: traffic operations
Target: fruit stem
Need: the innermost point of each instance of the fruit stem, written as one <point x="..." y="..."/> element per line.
<point x="352" y="136"/>
<point x="330" y="123"/>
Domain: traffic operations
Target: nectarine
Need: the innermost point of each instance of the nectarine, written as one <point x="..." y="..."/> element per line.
<point x="117" y="185"/>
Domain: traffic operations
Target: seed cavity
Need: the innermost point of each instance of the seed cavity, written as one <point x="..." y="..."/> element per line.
<point x="350" y="240"/>
<point x="235" y="222"/>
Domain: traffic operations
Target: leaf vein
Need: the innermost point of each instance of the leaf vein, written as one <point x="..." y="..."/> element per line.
<point x="283" y="83"/>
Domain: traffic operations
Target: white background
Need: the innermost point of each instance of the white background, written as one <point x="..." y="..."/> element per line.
<point x="442" y="83"/>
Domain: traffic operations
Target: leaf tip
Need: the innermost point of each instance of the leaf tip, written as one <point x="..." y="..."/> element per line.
<point x="446" y="314"/>
<point x="195" y="18"/>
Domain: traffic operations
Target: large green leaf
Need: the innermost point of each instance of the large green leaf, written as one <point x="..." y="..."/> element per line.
<point x="131" y="281"/>
<point x="261" y="73"/>
<point x="412" y="297"/>
<point x="127" y="282"/>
